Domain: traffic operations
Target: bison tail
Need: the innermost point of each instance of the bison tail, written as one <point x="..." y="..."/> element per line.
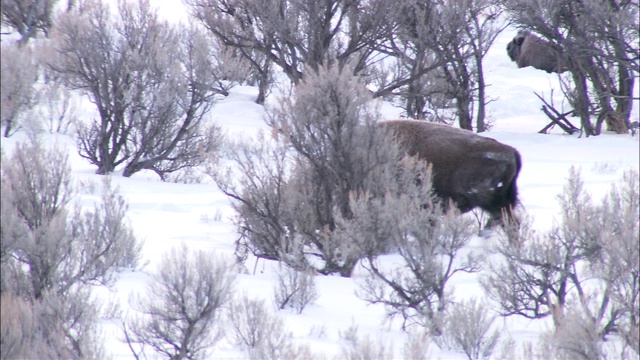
<point x="512" y="192"/>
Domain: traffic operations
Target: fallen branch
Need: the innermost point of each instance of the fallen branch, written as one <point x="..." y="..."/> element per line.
<point x="557" y="118"/>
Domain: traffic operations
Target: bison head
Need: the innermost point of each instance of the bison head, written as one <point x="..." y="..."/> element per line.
<point x="527" y="49"/>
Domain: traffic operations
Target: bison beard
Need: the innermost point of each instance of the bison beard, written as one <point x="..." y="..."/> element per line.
<point x="472" y="170"/>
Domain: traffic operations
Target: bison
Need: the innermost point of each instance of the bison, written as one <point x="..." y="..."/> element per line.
<point x="472" y="170"/>
<point x="527" y="49"/>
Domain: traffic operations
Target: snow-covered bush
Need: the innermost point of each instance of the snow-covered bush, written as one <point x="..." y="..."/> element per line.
<point x="468" y="328"/>
<point x="262" y="334"/>
<point x="19" y="73"/>
<point x="250" y="321"/>
<point x="431" y="245"/>
<point x="152" y="84"/>
<point x="292" y="188"/>
<point x="294" y="288"/>
<point x="52" y="251"/>
<point x="28" y="17"/>
<point x="180" y="315"/>
<point x="27" y="333"/>
<point x="584" y="273"/>
<point x="358" y="347"/>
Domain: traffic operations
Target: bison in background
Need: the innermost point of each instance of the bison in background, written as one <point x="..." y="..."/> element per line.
<point x="472" y="170"/>
<point x="527" y="49"/>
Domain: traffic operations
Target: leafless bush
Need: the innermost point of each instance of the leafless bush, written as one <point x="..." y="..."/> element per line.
<point x="295" y="289"/>
<point x="584" y="273"/>
<point x="292" y="188"/>
<point x="12" y="232"/>
<point x="152" y="84"/>
<point x="233" y="65"/>
<point x="62" y="251"/>
<point x="416" y="347"/>
<point x="180" y="314"/>
<point x="109" y="242"/>
<point x="22" y="332"/>
<point x="251" y="322"/>
<point x="439" y="48"/>
<point x="59" y="106"/>
<point x="31" y="104"/>
<point x="430" y="242"/>
<point x="52" y="327"/>
<point x="245" y="66"/>
<point x="39" y="181"/>
<point x="340" y="150"/>
<point x="257" y="184"/>
<point x="19" y="74"/>
<point x="262" y="334"/>
<point x="358" y="348"/>
<point x="76" y="312"/>
<point x="246" y="62"/>
<point x="577" y="338"/>
<point x="318" y="331"/>
<point x="277" y="343"/>
<point x="282" y="348"/>
<point x="307" y="33"/>
<point x="50" y="253"/>
<point x="618" y="266"/>
<point x="467" y="328"/>
<point x="187" y="175"/>
<point x="330" y="125"/>
<point x="28" y="16"/>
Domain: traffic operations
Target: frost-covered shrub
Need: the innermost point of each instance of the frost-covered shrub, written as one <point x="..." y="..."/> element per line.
<point x="62" y="245"/>
<point x="257" y="185"/>
<point x="430" y="243"/>
<point x="277" y="343"/>
<point x="363" y="348"/>
<point x="295" y="289"/>
<point x="416" y="346"/>
<point x="28" y="17"/>
<point x="152" y="84"/>
<point x="251" y="322"/>
<point x="24" y="332"/>
<point x="18" y="94"/>
<point x="180" y="314"/>
<point x="584" y="273"/>
<point x="468" y="328"/>
<point x="292" y="188"/>
<point x="52" y="251"/>
<point x="260" y="333"/>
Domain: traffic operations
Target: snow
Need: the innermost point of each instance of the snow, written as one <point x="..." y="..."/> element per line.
<point x="164" y="215"/>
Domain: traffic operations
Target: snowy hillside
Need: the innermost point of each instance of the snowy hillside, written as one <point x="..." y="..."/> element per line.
<point x="165" y="215"/>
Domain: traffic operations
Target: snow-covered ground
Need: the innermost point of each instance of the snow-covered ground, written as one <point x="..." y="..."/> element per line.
<point x="165" y="215"/>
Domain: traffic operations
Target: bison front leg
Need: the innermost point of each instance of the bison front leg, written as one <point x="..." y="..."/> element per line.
<point x="505" y="218"/>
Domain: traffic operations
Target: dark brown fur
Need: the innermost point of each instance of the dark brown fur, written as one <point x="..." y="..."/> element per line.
<point x="472" y="170"/>
<point x="527" y="49"/>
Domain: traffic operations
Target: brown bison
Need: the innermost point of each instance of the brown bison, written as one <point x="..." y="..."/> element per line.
<point x="472" y="170"/>
<point x="527" y="49"/>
